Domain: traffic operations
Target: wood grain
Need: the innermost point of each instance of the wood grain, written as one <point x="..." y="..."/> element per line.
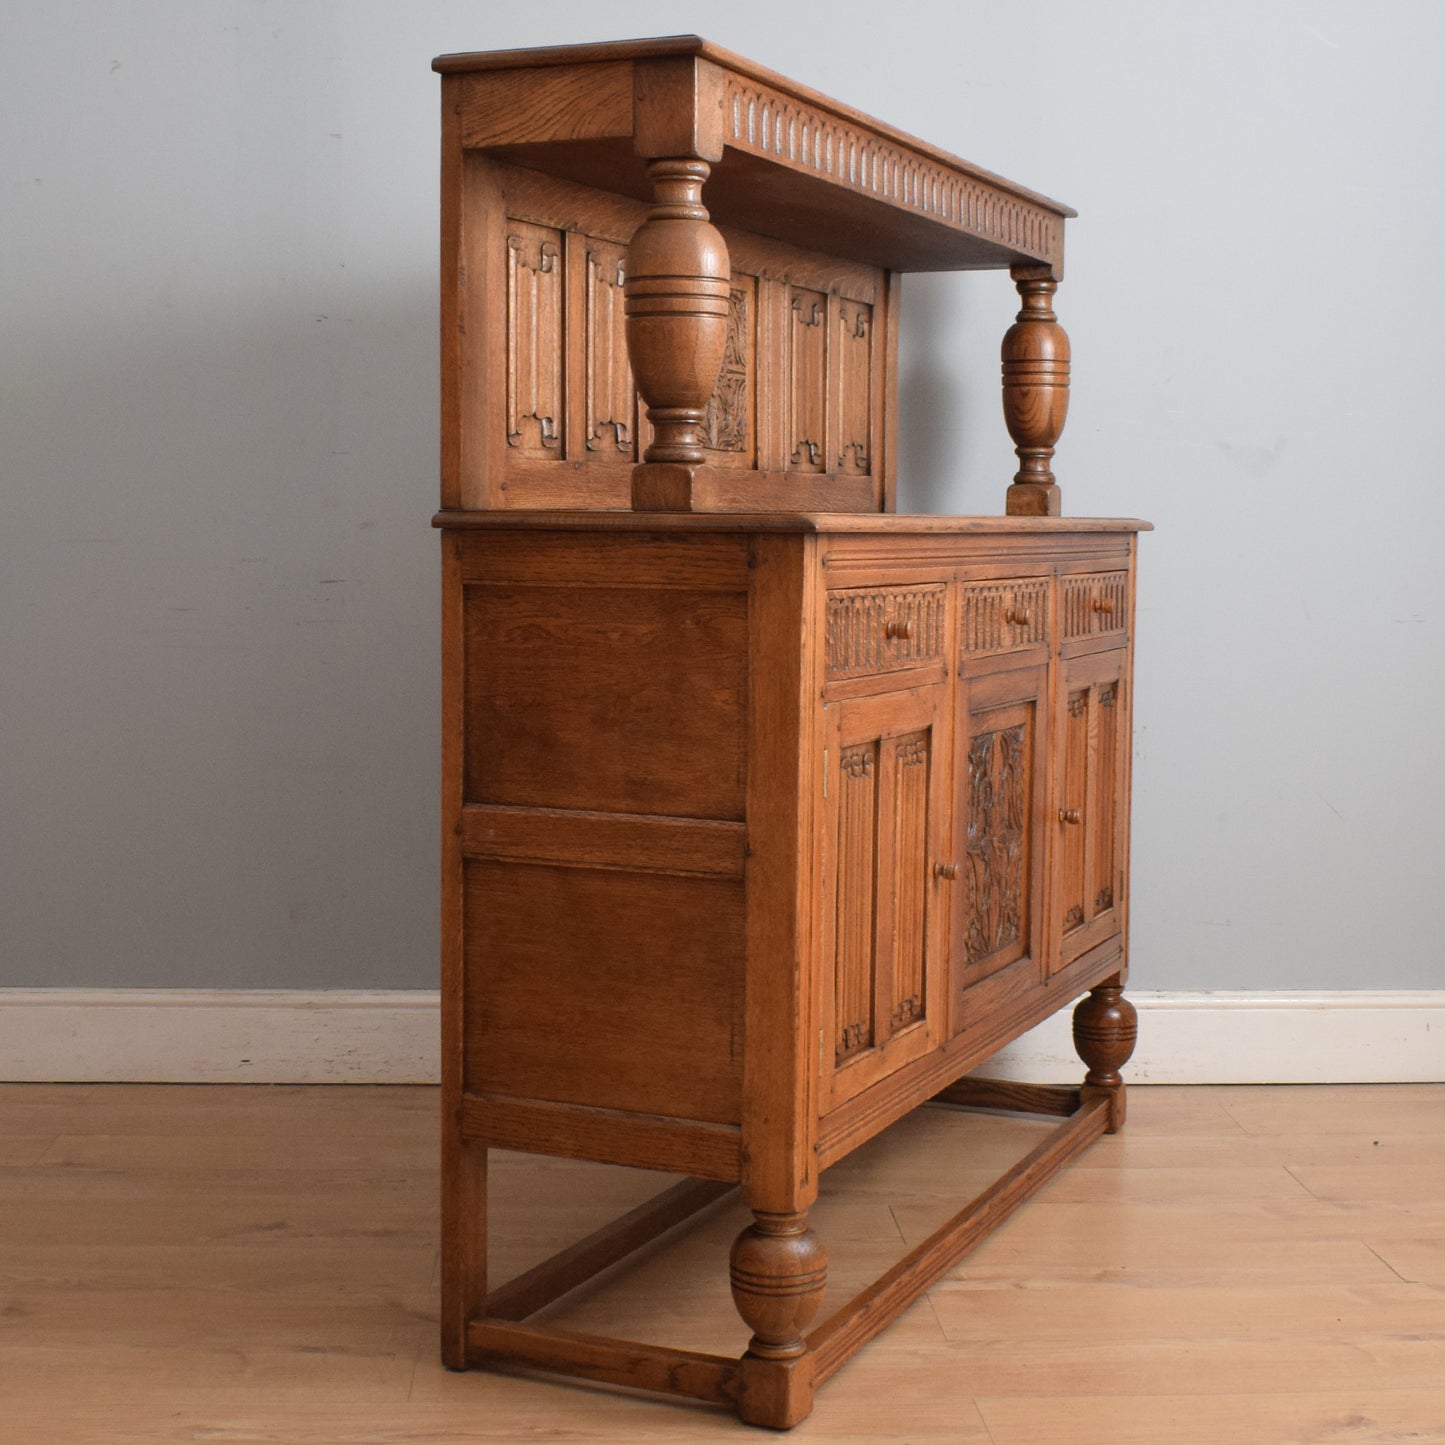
<point x="128" y="1321"/>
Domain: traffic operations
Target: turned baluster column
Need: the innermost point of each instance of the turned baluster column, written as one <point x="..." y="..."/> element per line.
<point x="779" y="1270"/>
<point x="1105" y="1029"/>
<point x="1035" y="392"/>
<point x="676" y="303"/>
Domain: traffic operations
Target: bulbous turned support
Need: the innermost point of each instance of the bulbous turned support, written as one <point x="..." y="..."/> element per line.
<point x="1105" y="1029"/>
<point x="676" y="302"/>
<point x="779" y="1270"/>
<point x="1035" y="392"/>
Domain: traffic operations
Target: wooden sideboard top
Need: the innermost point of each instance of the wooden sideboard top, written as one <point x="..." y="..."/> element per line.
<point x="880" y="523"/>
<point x="799" y="165"/>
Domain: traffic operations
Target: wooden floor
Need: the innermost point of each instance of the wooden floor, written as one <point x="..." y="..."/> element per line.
<point x="228" y="1264"/>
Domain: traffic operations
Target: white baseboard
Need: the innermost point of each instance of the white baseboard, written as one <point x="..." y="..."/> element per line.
<point x="391" y="1037"/>
<point x="219" y="1036"/>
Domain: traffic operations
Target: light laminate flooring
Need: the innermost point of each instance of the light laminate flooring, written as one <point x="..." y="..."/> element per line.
<point x="1242" y="1266"/>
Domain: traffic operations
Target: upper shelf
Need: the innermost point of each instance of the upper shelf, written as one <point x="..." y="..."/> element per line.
<point x="787" y="162"/>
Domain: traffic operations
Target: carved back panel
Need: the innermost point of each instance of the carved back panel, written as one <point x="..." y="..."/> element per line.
<point x="547" y="414"/>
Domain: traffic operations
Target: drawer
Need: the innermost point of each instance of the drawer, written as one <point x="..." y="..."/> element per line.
<point x="1007" y="616"/>
<point x="1094" y="603"/>
<point x="884" y="629"/>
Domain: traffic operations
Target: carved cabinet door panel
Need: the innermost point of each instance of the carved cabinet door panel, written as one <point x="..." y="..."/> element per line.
<point x="886" y="766"/>
<point x="1000" y="795"/>
<point x="1090" y="805"/>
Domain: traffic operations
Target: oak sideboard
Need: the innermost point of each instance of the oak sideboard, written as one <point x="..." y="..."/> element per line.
<point x="769" y="814"/>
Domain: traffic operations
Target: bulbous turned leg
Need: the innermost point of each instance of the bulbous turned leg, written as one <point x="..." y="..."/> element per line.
<point x="779" y="1270"/>
<point x="1105" y="1028"/>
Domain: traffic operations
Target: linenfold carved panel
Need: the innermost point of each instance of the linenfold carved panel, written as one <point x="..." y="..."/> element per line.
<point x="611" y="397"/>
<point x="856" y="906"/>
<point x="1104" y="819"/>
<point x="883" y="629"/>
<point x="765" y="122"/>
<point x="912" y="759"/>
<point x="808" y="381"/>
<point x="1075" y="801"/>
<point x="534" y="339"/>
<point x="854" y="364"/>
<point x="997" y="859"/>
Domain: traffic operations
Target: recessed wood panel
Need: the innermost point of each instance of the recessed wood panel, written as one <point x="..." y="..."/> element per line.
<point x="1073" y="804"/>
<point x="856" y="901"/>
<point x="609" y="398"/>
<point x="617" y="699"/>
<point x="602" y="988"/>
<point x="912" y="762"/>
<point x="807" y="381"/>
<point x="883" y="629"/>
<point x="854" y="373"/>
<point x="535" y="289"/>
<point x="997" y="850"/>
<point x="730" y="432"/>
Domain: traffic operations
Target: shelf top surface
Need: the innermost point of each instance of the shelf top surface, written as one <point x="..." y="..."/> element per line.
<point x="879" y="523"/>
<point x="694" y="45"/>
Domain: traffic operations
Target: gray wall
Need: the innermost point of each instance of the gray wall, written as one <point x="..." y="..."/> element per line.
<point x="218" y="442"/>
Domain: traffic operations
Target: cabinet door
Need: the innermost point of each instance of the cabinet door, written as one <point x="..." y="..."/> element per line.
<point x="1001" y="767"/>
<point x="885" y="776"/>
<point x="1090" y="803"/>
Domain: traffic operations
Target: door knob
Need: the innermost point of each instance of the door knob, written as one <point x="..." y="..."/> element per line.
<point x="1070" y="815"/>
<point x="946" y="870"/>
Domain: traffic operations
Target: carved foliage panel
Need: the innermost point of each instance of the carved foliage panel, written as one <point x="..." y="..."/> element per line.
<point x="730" y="432"/>
<point x="535" y="291"/>
<point x="997" y="849"/>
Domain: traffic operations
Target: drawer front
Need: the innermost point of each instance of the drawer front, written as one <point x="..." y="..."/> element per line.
<point x="1094" y="603"/>
<point x="1007" y="616"/>
<point x="875" y="630"/>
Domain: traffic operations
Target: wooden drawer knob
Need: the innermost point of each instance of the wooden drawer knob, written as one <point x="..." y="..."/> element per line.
<point x="1070" y="815"/>
<point x="946" y="870"/>
<point x="898" y="628"/>
<point x="1104" y="604"/>
<point x="1018" y="616"/>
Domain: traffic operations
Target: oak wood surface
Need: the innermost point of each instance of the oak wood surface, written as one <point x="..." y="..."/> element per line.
<point x="767" y="814"/>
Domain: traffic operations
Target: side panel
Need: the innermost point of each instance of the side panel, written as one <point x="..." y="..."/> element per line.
<point x="602" y="775"/>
